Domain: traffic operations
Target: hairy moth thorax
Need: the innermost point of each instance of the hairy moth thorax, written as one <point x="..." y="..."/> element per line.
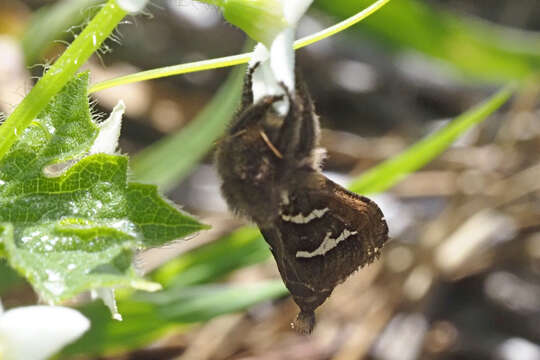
<point x="318" y="232"/>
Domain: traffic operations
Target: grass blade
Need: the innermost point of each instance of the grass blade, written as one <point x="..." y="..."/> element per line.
<point x="387" y="174"/>
<point x="492" y="53"/>
<point x="171" y="158"/>
<point x="148" y="317"/>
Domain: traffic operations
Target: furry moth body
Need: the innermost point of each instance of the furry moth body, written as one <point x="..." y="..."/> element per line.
<point x="318" y="232"/>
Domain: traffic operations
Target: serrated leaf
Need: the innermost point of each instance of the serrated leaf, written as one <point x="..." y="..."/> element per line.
<point x="79" y="230"/>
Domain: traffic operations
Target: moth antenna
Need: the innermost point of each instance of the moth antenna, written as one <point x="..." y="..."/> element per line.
<point x="247" y="92"/>
<point x="252" y="113"/>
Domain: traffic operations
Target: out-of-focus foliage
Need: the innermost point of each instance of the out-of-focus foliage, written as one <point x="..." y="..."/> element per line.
<point x="171" y="159"/>
<point x="213" y="261"/>
<point x="389" y="173"/>
<point x="148" y="317"/>
<point x="486" y="51"/>
<point x="188" y="296"/>
<point x="52" y="23"/>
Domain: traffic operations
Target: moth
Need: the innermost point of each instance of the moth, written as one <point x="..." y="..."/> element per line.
<point x="318" y="232"/>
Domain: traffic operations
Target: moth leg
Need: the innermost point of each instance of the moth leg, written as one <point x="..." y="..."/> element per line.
<point x="253" y="113"/>
<point x="309" y="129"/>
<point x="247" y="92"/>
<point x="290" y="130"/>
<point x="299" y="135"/>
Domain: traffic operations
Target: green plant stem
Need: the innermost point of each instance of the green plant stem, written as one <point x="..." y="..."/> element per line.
<point x="50" y="23"/>
<point x="234" y="59"/>
<point x="88" y="41"/>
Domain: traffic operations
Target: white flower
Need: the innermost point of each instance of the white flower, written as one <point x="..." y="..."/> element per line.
<point x="38" y="332"/>
<point x="132" y="6"/>
<point x="276" y="57"/>
<point x="273" y="24"/>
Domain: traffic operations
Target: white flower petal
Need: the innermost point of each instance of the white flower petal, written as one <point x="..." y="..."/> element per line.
<point x="37" y="332"/>
<point x="107" y="295"/>
<point x="109" y="131"/>
<point x="264" y="80"/>
<point x="282" y="58"/>
<point x="132" y="6"/>
<point x="277" y="64"/>
<point x="293" y="10"/>
<point x="262" y="77"/>
<point x="260" y="54"/>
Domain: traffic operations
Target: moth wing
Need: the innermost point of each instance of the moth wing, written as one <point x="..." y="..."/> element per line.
<point x="307" y="298"/>
<point x="329" y="232"/>
<point x="322" y="235"/>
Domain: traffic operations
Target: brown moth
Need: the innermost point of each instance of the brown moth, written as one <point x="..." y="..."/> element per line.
<point x="318" y="232"/>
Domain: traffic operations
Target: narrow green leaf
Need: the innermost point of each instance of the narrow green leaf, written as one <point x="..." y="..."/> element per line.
<point x="148" y="317"/>
<point x="170" y="159"/>
<point x="485" y="51"/>
<point x="51" y="23"/>
<point x="390" y="172"/>
<point x="212" y="261"/>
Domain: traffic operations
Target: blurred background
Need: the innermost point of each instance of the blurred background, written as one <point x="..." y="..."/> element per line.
<point x="460" y="278"/>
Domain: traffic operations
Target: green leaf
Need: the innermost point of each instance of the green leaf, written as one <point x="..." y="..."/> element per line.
<point x="77" y="230"/>
<point x="262" y="20"/>
<point x="390" y="172"/>
<point x="8" y="278"/>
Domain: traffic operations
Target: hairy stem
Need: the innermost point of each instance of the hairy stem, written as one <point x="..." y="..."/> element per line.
<point x="86" y="43"/>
